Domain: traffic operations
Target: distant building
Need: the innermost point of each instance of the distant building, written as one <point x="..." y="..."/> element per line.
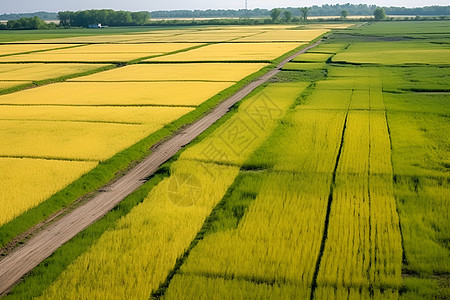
<point x="99" y="25"/>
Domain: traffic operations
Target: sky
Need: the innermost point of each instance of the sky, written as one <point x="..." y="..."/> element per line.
<point x="18" y="6"/>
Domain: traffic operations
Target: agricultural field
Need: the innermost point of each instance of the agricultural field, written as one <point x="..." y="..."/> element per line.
<point x="7" y="50"/>
<point x="231" y="52"/>
<point x="60" y="114"/>
<point x="329" y="181"/>
<point x="230" y="72"/>
<point x="100" y="53"/>
<point x="36" y="72"/>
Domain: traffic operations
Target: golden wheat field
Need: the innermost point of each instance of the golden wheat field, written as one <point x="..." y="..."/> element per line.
<point x="119" y="93"/>
<point x="6" y="49"/>
<point x="177" y="72"/>
<point x="100" y="53"/>
<point x="304" y="35"/>
<point x="76" y="140"/>
<point x="232" y="52"/>
<point x="42" y="71"/>
<point x="43" y="178"/>
<point x="138" y="115"/>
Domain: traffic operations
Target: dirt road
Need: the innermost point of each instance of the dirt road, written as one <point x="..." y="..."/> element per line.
<point x="21" y="261"/>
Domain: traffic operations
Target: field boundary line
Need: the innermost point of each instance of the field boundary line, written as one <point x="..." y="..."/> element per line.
<point x="314" y="284"/>
<point x="25" y="258"/>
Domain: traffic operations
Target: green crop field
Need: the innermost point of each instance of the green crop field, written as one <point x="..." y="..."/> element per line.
<point x="330" y="181"/>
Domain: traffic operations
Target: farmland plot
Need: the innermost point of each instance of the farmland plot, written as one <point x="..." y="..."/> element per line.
<point x="232" y="52"/>
<point x="6" y="49"/>
<point x="177" y="72"/>
<point x="100" y="53"/>
<point x="119" y="93"/>
<point x="68" y="140"/>
<point x="134" y="115"/>
<point x="304" y="35"/>
<point x="43" y="178"/>
<point x="34" y="72"/>
<point x="363" y="199"/>
<point x="395" y="53"/>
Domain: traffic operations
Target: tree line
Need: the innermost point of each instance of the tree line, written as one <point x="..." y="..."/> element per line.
<point x="324" y="10"/>
<point x="108" y="17"/>
<point x="28" y="23"/>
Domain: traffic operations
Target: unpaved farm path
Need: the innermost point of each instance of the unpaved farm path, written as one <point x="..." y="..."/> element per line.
<point x="24" y="259"/>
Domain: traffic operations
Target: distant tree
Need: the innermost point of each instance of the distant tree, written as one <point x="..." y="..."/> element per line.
<point x="140" y="17"/>
<point x="287" y="16"/>
<point x="344" y="14"/>
<point x="65" y="18"/>
<point x="26" y="23"/>
<point x="304" y="11"/>
<point x="275" y="14"/>
<point x="379" y="14"/>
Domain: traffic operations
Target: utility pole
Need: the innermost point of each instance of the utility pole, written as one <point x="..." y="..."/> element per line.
<point x="246" y="9"/>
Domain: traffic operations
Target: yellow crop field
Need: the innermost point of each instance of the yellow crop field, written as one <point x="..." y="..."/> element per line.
<point x="22" y="48"/>
<point x="197" y="286"/>
<point x="119" y="93"/>
<point x="304" y="35"/>
<point x="147" y="115"/>
<point x="42" y="71"/>
<point x="86" y="39"/>
<point x="112" y="38"/>
<point x="69" y="140"/>
<point x="100" y="53"/>
<point x="80" y="57"/>
<point x="330" y="26"/>
<point x="127" y="48"/>
<point x="203" y="36"/>
<point x="260" y="27"/>
<point x="24" y="183"/>
<point x="235" y="141"/>
<point x="133" y="260"/>
<point x="179" y="72"/>
<point x="233" y="52"/>
<point x="10" y="84"/>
